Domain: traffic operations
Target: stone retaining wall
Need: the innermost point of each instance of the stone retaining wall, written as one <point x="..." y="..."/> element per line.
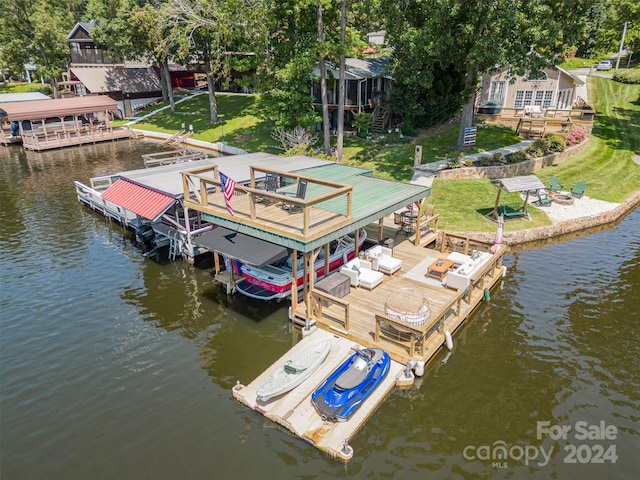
<point x="557" y="229"/>
<point x="512" y="170"/>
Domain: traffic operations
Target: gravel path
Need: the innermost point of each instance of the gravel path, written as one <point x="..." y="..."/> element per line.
<point x="582" y="207"/>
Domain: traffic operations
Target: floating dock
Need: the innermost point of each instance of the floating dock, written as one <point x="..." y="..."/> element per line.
<point x="294" y="410"/>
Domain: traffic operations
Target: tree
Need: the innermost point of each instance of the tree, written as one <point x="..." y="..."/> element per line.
<point x="468" y="38"/>
<point x="609" y="33"/>
<point x="36" y="31"/>
<point x="210" y="30"/>
<point x="134" y="30"/>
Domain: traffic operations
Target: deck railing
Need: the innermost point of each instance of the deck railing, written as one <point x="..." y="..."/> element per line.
<point x="35" y="140"/>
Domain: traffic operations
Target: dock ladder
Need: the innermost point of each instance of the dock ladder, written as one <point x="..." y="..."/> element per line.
<point x="175" y="244"/>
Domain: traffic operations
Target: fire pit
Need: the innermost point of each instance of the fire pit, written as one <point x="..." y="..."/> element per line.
<point x="563" y="199"/>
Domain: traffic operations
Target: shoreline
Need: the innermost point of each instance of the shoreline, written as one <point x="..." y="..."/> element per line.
<point x="590" y="214"/>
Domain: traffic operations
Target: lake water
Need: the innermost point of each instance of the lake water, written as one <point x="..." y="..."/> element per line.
<point x="117" y="367"/>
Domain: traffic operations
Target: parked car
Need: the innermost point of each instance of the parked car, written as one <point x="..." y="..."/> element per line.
<point x="604" y="65"/>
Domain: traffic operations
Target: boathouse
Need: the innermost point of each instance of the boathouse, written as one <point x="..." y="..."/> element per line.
<point x="154" y="195"/>
<point x="64" y="122"/>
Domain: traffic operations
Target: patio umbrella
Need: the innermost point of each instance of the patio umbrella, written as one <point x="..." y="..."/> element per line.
<point x="497" y="241"/>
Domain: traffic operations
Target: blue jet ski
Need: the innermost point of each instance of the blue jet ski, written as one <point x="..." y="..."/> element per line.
<point x="350" y="384"/>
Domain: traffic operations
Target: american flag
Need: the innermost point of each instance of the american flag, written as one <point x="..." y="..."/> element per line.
<point x="228" y="187"/>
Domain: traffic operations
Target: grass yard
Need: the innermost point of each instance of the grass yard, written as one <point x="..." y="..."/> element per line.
<point x="22" y="87"/>
<point x="238" y="125"/>
<point x="607" y="165"/>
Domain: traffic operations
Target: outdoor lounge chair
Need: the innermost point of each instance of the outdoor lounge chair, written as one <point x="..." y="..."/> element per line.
<point x="555" y="185"/>
<point x="544" y="200"/>
<point x="579" y="189"/>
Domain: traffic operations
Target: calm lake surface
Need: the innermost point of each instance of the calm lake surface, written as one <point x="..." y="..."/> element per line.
<point x="117" y="367"/>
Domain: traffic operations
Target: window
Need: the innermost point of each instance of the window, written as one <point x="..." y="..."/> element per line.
<point x="496" y="92"/>
<point x="542" y="98"/>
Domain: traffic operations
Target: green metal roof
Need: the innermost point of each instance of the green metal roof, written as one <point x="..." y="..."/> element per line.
<point x="373" y="198"/>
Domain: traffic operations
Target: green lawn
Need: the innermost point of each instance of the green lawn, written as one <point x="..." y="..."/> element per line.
<point x="606" y="165"/>
<point x="238" y="126"/>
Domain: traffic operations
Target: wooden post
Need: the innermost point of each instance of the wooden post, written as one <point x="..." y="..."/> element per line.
<point x="417" y="158"/>
<point x="294" y="281"/>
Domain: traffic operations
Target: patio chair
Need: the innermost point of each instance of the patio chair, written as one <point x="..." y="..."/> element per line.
<point x="301" y="192"/>
<point x="579" y="189"/>
<point x="555" y="185"/>
<point x="271" y="186"/>
<point x="544" y="200"/>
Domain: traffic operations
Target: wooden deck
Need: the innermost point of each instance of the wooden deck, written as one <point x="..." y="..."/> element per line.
<point x="67" y="138"/>
<point x="359" y="320"/>
<point x="360" y="316"/>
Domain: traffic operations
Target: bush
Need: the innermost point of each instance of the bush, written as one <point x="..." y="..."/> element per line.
<point x="576" y="136"/>
<point x="625" y="75"/>
<point x="555" y="143"/>
<point x="498" y="158"/>
<point x="516" y="157"/>
<point x="537" y="148"/>
<point x="485" y="161"/>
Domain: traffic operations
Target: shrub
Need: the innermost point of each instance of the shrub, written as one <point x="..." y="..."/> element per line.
<point x="555" y="143"/>
<point x="537" y="148"/>
<point x="485" y="161"/>
<point x="498" y="158"/>
<point x="516" y="157"/>
<point x="625" y="75"/>
<point x="576" y="136"/>
<point x="468" y="162"/>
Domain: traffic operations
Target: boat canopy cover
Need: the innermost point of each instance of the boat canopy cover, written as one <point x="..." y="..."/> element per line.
<point x="250" y="250"/>
<point x="140" y="200"/>
<point x="60" y="107"/>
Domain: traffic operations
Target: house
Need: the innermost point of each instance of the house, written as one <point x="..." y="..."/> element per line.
<point x="554" y="89"/>
<point x="131" y="84"/>
<point x="376" y="38"/>
<point x="366" y="87"/>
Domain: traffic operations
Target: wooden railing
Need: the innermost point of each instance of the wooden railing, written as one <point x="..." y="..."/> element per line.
<point x="64" y="138"/>
<point x="317" y="299"/>
<point x="202" y="191"/>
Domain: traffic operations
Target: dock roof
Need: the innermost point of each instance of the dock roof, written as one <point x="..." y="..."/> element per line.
<point x="41" y="109"/>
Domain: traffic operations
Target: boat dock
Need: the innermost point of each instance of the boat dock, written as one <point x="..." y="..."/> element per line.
<point x="360" y="319"/>
<point x="296" y="413"/>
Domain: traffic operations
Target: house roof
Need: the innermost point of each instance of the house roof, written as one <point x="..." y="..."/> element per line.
<point x="104" y="79"/>
<point x="39" y="109"/>
<point x="577" y="80"/>
<point x="86" y="26"/>
<point x="360" y="68"/>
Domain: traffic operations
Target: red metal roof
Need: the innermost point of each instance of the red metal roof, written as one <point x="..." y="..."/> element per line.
<point x="138" y="199"/>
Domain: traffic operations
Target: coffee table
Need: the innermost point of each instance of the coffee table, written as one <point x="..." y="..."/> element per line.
<point x="437" y="270"/>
